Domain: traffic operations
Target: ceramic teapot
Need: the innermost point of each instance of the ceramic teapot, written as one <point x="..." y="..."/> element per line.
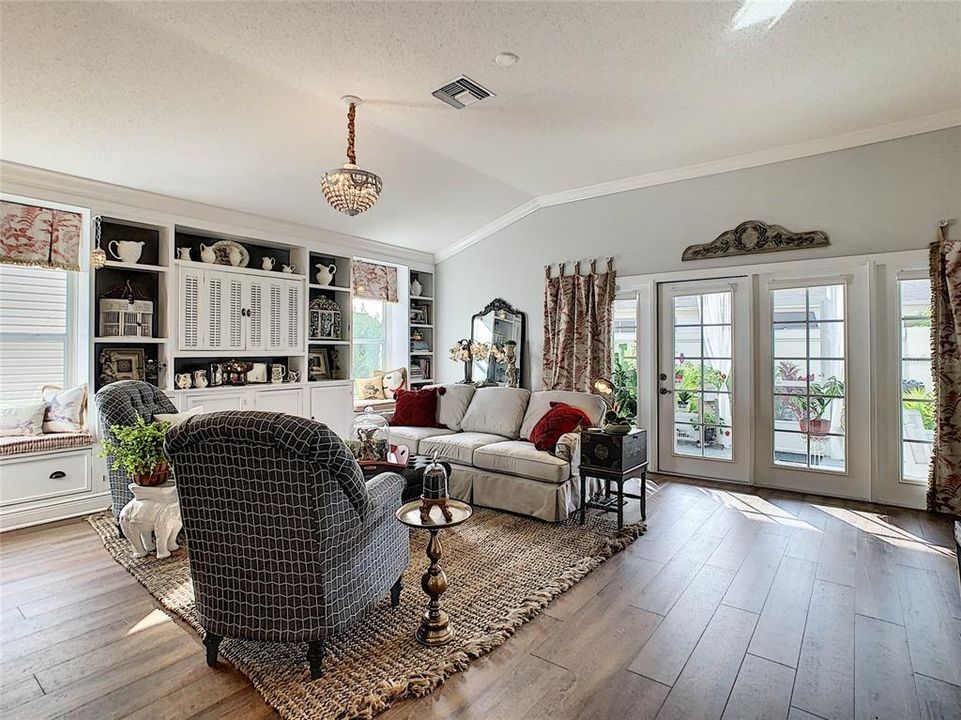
<point x="207" y="254"/>
<point x="325" y="273"/>
<point x="288" y="268"/>
<point x="127" y="251"/>
<point x="268" y="263"/>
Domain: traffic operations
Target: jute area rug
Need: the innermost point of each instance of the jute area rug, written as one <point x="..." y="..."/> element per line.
<point x="503" y="571"/>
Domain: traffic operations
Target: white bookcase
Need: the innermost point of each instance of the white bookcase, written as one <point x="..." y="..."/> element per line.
<point x="423" y="352"/>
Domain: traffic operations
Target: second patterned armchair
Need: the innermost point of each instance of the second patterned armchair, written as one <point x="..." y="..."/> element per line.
<point x="287" y="542"/>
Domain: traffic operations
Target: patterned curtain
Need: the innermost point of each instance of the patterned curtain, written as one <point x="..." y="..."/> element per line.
<point x="373" y="281"/>
<point x="577" y="327"/>
<point x="944" y="482"/>
<point x="33" y="235"/>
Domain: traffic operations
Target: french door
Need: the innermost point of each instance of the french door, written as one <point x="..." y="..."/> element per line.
<point x="705" y="379"/>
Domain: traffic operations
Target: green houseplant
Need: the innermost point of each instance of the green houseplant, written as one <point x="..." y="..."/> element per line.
<point x="818" y="402"/>
<point x="138" y="450"/>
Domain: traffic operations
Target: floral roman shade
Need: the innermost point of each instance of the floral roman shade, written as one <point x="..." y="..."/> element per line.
<point x="372" y="281"/>
<point x="34" y="235"/>
<point x="577" y="328"/>
<point x="944" y="482"/>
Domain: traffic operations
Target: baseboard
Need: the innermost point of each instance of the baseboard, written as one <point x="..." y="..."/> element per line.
<point x="28" y="515"/>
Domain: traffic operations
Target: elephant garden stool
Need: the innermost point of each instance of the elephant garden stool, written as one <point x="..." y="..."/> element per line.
<point x="153" y="510"/>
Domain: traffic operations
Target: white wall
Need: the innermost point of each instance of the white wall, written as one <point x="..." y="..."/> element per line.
<point x="876" y="198"/>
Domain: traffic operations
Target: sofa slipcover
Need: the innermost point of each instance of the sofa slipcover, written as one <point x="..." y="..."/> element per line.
<point x="453" y="404"/>
<point x="458" y="447"/>
<point x="411" y="436"/>
<point x="497" y="410"/>
<point x="517" y="457"/>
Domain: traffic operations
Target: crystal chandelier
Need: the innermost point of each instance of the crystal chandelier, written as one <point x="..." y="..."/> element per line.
<point x="348" y="188"/>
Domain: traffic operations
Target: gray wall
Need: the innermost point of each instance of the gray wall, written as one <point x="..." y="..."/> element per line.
<point x="877" y="198"/>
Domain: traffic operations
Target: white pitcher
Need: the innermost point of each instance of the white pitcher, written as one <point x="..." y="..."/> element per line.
<point x="127" y="251"/>
<point x="207" y="254"/>
<point x="200" y="378"/>
<point x="288" y="268"/>
<point x="184" y="253"/>
<point x="268" y="263"/>
<point x="325" y="274"/>
<point x="182" y="381"/>
<point x="234" y="256"/>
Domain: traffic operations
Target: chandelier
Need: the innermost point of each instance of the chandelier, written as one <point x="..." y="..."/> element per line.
<point x="348" y="188"/>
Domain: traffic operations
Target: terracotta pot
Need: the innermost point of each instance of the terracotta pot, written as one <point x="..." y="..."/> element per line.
<point x="817" y="427"/>
<point x="159" y="476"/>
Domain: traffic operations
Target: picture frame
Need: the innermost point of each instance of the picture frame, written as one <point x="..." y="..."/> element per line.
<point x="121" y="364"/>
<point x="319" y="365"/>
<point x="216" y="375"/>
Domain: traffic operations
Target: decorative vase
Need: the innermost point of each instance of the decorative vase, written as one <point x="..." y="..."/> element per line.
<point x="325" y="273"/>
<point x="158" y="476"/>
<point x="207" y="254"/>
<point x="415" y="287"/>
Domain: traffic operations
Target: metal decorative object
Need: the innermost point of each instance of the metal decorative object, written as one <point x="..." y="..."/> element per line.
<point x="434" y="493"/>
<point x="350" y="189"/>
<point x="754" y="236"/>
<point x="125" y="312"/>
<point x="326" y="320"/>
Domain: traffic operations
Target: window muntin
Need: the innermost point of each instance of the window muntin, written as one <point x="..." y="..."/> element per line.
<point x="917" y="399"/>
<point x="808" y="352"/>
<point x="370" y="323"/>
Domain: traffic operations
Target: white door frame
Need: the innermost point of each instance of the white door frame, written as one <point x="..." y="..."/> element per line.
<point x="885" y="482"/>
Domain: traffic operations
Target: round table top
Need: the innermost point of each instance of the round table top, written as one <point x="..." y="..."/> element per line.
<point x="409" y="514"/>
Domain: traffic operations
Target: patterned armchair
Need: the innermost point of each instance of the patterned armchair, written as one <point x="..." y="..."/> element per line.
<point x="121" y="403"/>
<point x="286" y="541"/>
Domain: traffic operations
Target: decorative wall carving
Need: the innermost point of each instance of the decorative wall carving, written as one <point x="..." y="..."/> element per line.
<point x="754" y="236"/>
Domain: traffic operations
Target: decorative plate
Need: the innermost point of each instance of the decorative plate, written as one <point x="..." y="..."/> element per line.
<point x="222" y="248"/>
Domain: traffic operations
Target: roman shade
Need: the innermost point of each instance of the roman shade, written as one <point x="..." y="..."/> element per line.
<point x="34" y="235"/>
<point x="372" y="281"/>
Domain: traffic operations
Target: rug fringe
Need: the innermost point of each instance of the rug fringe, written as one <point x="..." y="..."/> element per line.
<point x="417" y="685"/>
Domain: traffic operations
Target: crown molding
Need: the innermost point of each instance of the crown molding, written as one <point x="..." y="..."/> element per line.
<point x="106" y="198"/>
<point x="870" y="136"/>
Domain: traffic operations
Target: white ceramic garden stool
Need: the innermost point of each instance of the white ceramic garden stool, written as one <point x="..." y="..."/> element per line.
<point x="153" y="510"/>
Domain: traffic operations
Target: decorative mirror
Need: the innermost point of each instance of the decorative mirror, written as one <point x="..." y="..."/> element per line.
<point x="497" y="344"/>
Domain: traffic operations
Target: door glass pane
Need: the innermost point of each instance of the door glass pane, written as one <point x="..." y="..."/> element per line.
<point x="702" y="399"/>
<point x="808" y="326"/>
<point x="917" y="404"/>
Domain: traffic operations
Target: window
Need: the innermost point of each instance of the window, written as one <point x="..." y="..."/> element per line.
<point x="809" y="371"/>
<point x="703" y="365"/>
<point x="917" y="387"/>
<point x="370" y="337"/>
<point x="37" y="344"/>
<point x="624" y="352"/>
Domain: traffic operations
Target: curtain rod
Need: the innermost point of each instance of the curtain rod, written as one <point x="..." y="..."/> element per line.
<point x="562" y="266"/>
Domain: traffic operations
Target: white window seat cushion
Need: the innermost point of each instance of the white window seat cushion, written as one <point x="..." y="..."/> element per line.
<point x="24" y="444"/>
<point x="458" y="447"/>
<point x="516" y="457"/>
<point x="411" y="436"/>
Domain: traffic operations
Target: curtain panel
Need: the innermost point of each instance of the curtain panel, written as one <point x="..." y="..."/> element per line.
<point x="578" y="312"/>
<point x="33" y="235"/>
<point x="944" y="481"/>
<point x="372" y="281"/>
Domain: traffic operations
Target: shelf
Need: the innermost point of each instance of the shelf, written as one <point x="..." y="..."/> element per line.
<point x="426" y="353"/>
<point x="334" y="288"/>
<point x="422" y="297"/>
<point x="130" y="340"/>
<point x="421" y="382"/>
<point x="138" y="267"/>
<point x="422" y="325"/>
<point x="239" y="269"/>
<point x="234" y="388"/>
<point x="329" y="342"/>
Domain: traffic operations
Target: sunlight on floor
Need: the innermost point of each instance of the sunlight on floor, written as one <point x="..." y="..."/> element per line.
<point x="152" y="619"/>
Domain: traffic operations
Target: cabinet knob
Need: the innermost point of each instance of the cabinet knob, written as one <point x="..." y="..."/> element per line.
<point x="57" y="474"/>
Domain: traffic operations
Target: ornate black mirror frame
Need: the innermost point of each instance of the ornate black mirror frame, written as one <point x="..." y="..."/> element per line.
<point x="501" y="305"/>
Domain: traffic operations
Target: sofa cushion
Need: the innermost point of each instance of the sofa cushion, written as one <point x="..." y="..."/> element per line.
<point x="496" y="410"/>
<point x="452" y="404"/>
<point x="458" y="447"/>
<point x="592" y="405"/>
<point x="411" y="436"/>
<point x="559" y="420"/>
<point x="416" y="408"/>
<point x="517" y="457"/>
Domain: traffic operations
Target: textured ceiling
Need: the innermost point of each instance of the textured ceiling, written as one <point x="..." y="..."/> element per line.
<point x="237" y="104"/>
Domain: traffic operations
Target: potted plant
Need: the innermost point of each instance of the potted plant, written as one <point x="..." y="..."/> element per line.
<point x="138" y="450"/>
<point x="818" y="402"/>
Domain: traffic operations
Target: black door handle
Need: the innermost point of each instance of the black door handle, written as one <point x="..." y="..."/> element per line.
<point x="664" y="391"/>
<point x="57" y="474"/>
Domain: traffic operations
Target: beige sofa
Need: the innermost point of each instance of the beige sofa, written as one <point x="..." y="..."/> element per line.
<point x="493" y="463"/>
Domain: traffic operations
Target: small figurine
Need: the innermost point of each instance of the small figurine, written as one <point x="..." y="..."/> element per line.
<point x="368" y="450"/>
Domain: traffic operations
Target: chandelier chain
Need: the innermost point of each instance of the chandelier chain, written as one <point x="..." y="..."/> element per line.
<point x="351" y="155"/>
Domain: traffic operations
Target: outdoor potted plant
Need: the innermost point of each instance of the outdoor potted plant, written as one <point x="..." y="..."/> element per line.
<point x="138" y="450"/>
<point x="818" y="402"/>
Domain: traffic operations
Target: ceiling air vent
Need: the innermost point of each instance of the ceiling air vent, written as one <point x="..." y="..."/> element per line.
<point x="462" y="92"/>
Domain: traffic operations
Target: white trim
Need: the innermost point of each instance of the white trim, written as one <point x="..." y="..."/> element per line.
<point x="779" y="284"/>
<point x="845" y="141"/>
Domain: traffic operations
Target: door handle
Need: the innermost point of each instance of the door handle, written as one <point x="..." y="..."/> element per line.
<point x="57" y="475"/>
<point x="664" y="391"/>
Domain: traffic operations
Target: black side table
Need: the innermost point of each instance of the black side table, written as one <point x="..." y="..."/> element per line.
<point x="605" y="501"/>
<point x="613" y="458"/>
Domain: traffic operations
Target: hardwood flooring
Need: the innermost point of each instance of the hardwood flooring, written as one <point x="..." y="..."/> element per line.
<point x="737" y="604"/>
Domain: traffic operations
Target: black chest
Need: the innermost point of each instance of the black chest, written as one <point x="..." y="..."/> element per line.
<point x="617" y="453"/>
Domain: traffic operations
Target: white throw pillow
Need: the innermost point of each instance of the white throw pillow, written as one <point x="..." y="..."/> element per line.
<point x="66" y="409"/>
<point x="24" y="419"/>
<point x="592" y="405"/>
<point x="497" y="410"/>
<point x="452" y="405"/>
<point x="177" y="418"/>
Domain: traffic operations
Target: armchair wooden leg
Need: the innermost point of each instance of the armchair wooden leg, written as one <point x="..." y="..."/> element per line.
<point x="315" y="658"/>
<point x="212" y="643"/>
<point x="395" y="592"/>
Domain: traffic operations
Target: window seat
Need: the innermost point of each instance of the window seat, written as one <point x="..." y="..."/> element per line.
<point x="380" y="406"/>
<point x="25" y="444"/>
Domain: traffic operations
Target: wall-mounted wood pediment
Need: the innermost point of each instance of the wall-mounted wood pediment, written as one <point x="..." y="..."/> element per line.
<point x="754" y="236"/>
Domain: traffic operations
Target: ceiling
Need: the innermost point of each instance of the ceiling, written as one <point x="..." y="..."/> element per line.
<point x="237" y="104"/>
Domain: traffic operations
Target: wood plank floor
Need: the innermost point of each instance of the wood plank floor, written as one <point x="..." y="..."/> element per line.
<point x="736" y="604"/>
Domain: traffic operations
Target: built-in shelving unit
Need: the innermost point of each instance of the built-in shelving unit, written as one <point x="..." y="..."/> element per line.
<point x="421" y="317"/>
<point x="329" y="356"/>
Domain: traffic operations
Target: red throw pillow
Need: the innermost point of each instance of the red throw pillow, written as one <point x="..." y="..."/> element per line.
<point x="416" y="408"/>
<point x="560" y="419"/>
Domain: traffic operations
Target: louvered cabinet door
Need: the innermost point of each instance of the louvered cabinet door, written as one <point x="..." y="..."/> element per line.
<point x="294" y="317"/>
<point x="213" y="297"/>
<point x="189" y="332"/>
<point x="255" y="303"/>
<point x="234" y="335"/>
<point x="275" y="316"/>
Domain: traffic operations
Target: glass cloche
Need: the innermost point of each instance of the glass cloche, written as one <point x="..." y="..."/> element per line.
<point x="370" y="436"/>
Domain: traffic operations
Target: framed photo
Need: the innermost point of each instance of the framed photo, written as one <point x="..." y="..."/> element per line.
<point x="318" y="367"/>
<point x="121" y="364"/>
<point x="418" y="316"/>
